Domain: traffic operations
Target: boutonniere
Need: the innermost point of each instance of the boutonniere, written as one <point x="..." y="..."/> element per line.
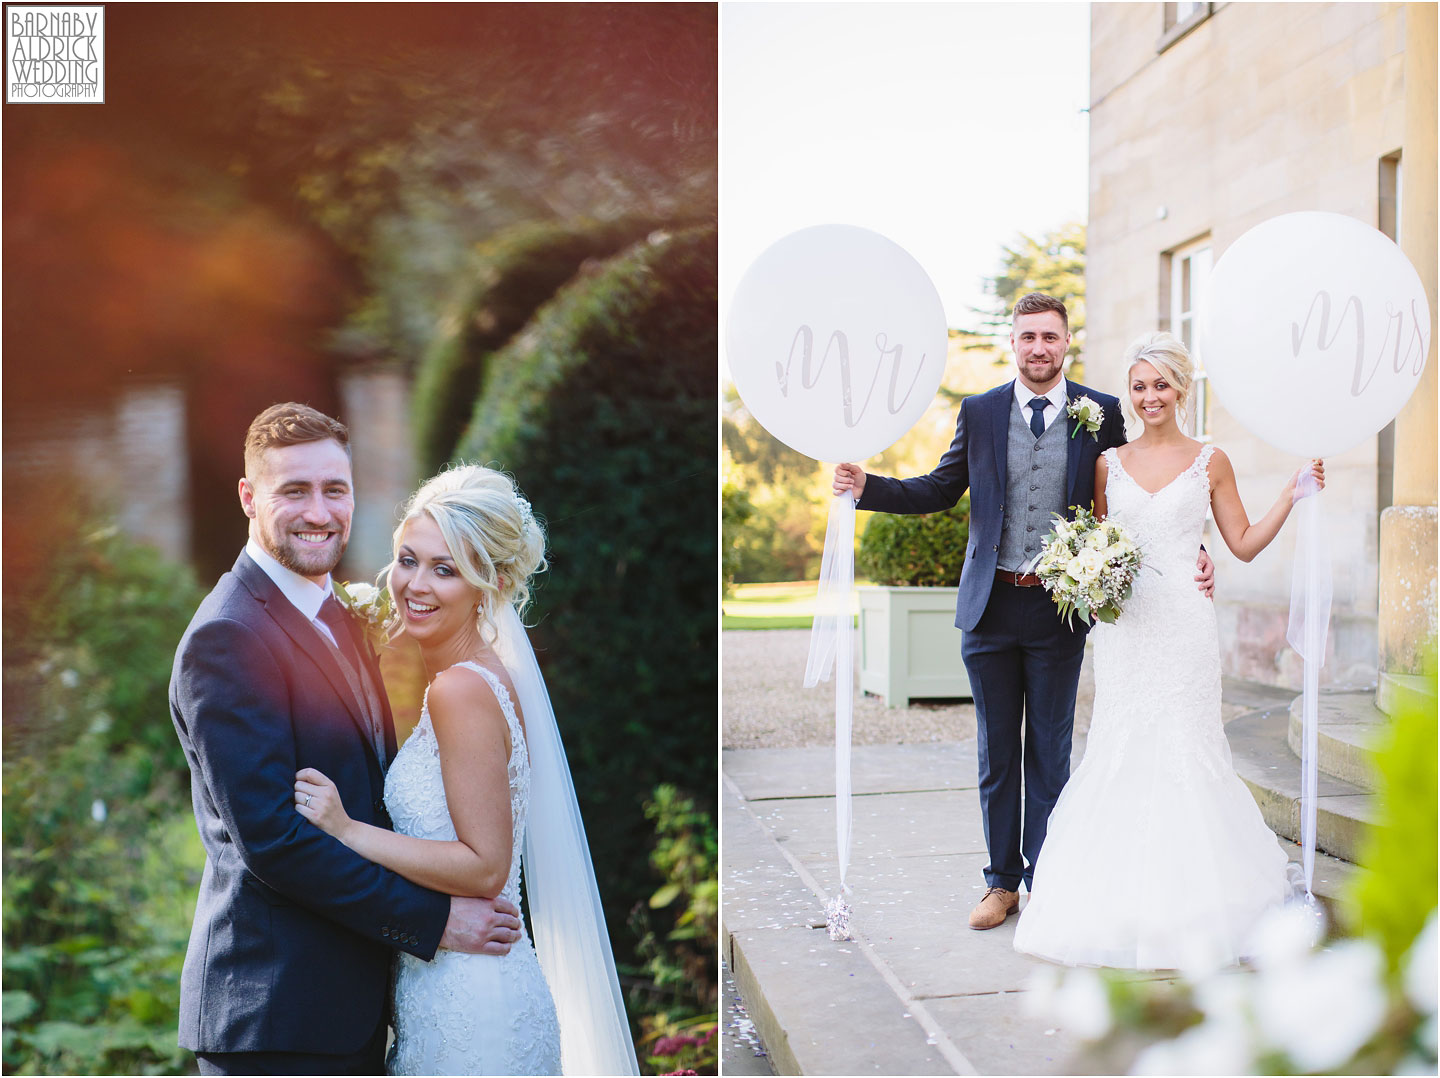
<point x="372" y="605"/>
<point x="1087" y="414"/>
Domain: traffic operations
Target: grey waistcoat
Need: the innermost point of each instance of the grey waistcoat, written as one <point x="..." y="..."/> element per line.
<point x="1034" y="488"/>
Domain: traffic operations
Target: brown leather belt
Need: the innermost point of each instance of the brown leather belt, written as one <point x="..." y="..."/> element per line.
<point x="1020" y="580"/>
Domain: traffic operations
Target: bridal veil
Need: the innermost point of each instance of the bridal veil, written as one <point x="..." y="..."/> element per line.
<point x="566" y="918"/>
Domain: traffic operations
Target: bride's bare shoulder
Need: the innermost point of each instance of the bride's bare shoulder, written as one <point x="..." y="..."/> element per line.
<point x="1218" y="467"/>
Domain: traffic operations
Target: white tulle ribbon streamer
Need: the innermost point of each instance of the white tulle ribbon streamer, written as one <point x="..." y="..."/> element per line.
<point x="1311" y="589"/>
<point x="559" y="883"/>
<point x="832" y="649"/>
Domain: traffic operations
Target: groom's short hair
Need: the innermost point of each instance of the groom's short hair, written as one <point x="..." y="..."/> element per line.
<point x="290" y="424"/>
<point x="1036" y="302"/>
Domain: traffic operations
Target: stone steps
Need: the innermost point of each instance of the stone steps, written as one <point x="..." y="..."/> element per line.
<point x="1348" y="729"/>
<point x="1264" y="760"/>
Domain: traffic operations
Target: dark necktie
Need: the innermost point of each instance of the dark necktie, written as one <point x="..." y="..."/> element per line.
<point x="336" y="620"/>
<point x="333" y="615"/>
<point x="1037" y="415"/>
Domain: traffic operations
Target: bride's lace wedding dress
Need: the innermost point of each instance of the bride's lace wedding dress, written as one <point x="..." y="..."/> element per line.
<point x="464" y="1013"/>
<point x="1156" y="855"/>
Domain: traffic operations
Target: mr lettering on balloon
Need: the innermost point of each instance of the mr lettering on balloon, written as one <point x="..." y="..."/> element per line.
<point x="804" y="340"/>
<point x="817" y="321"/>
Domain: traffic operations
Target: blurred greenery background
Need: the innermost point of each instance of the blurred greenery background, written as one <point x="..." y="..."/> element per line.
<point x="513" y="206"/>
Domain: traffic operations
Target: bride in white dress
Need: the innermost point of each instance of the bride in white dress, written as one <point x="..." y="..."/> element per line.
<point x="482" y="779"/>
<point x="1157" y="856"/>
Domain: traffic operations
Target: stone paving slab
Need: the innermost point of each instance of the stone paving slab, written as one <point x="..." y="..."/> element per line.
<point x="821" y="1007"/>
<point x="917" y="992"/>
<point x="998" y="1037"/>
<point x="891" y="825"/>
<point x="810" y="772"/>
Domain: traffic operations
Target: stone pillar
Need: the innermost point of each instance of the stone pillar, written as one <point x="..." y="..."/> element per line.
<point x="376" y="407"/>
<point x="152" y="501"/>
<point x="1408" y="545"/>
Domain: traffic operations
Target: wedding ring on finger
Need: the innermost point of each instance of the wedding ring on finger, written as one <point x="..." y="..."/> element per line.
<point x="308" y="799"/>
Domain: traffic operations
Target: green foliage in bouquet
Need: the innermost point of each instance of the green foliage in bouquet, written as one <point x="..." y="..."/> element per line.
<point x="515" y="273"/>
<point x="604" y="409"/>
<point x="924" y="550"/>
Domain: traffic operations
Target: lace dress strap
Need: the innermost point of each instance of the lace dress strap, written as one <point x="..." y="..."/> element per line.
<point x="1112" y="460"/>
<point x="1202" y="465"/>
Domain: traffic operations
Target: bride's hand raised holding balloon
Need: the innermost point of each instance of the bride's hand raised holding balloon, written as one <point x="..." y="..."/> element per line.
<point x="1308" y="479"/>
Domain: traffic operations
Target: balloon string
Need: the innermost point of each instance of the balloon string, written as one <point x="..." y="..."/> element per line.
<point x="832" y="648"/>
<point x="1311" y="586"/>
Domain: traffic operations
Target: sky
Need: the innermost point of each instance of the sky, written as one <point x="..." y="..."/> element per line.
<point x="949" y="128"/>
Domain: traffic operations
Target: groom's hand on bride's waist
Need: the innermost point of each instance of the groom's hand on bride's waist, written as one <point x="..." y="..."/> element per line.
<point x="1205" y="574"/>
<point x="481" y="926"/>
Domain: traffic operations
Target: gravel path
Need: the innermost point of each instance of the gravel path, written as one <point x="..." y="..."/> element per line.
<point x="766" y="704"/>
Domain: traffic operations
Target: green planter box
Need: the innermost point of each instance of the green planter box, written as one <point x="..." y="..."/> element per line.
<point x="909" y="646"/>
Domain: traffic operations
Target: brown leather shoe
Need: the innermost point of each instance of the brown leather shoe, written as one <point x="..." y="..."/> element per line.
<point x="997" y="905"/>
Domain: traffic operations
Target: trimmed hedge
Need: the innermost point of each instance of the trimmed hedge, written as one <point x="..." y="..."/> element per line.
<point x="922" y="550"/>
<point x="517" y="271"/>
<point x="604" y="408"/>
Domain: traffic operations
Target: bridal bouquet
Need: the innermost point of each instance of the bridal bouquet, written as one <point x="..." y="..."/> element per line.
<point x="1088" y="566"/>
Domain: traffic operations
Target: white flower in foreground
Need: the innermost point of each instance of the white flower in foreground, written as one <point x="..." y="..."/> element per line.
<point x="1224" y="998"/>
<point x="1284" y="936"/>
<point x="69" y="678"/>
<point x="1209" y="1048"/>
<point x="1421" y="970"/>
<point x="1041" y="988"/>
<point x="1320" y="1012"/>
<point x="1082" y="1005"/>
<point x="1200" y="960"/>
<point x="97" y="811"/>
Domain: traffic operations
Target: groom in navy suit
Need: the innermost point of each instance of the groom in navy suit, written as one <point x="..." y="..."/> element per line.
<point x="1023" y="460"/>
<point x="288" y="966"/>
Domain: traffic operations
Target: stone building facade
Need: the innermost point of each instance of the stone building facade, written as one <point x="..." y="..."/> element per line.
<point x="1205" y="120"/>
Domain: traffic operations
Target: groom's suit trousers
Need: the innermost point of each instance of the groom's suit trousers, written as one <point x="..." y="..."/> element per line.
<point x="1024" y="666"/>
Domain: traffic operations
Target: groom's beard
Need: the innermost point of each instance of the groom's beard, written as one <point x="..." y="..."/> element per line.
<point x="298" y="557"/>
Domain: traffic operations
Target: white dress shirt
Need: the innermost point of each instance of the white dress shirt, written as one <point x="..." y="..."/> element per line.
<point x="305" y="595"/>
<point x="1053" y="411"/>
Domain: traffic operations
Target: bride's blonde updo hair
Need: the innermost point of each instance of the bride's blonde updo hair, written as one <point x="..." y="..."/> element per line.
<point x="493" y="535"/>
<point x="1168" y="355"/>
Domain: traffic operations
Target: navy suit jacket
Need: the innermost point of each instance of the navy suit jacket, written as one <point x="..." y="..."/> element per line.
<point x="978" y="459"/>
<point x="291" y="946"/>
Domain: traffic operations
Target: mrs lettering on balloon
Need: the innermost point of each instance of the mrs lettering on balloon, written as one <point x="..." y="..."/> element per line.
<point x="1318" y="332"/>
<point x="836" y="341"/>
